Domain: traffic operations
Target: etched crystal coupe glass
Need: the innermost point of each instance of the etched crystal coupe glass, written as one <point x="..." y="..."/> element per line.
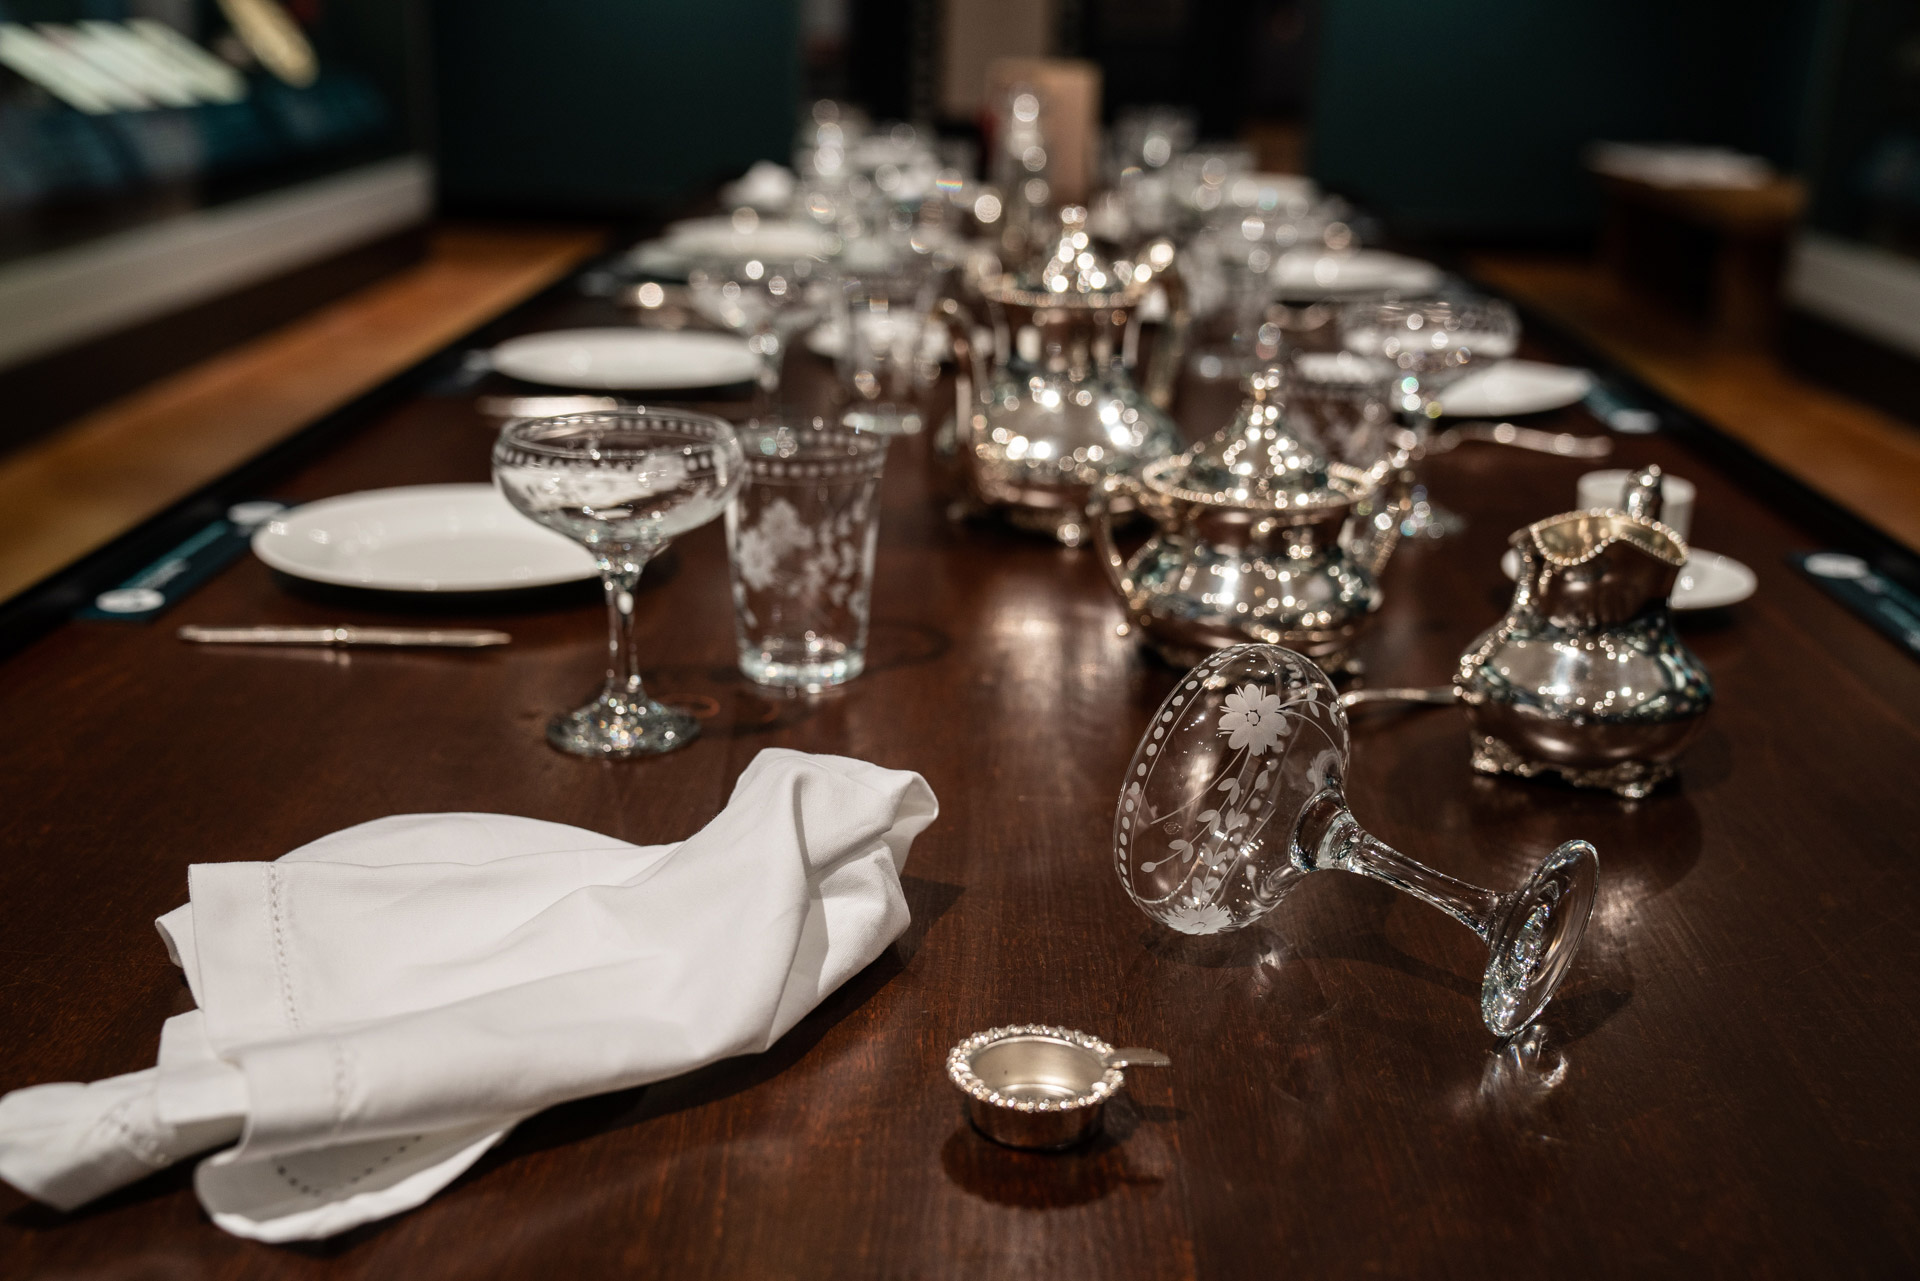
<point x="1235" y="792"/>
<point x="624" y="484"/>
<point x="1430" y="344"/>
<point x="766" y="298"/>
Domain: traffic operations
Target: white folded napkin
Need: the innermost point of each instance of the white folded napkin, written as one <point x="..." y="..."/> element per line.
<point x="380" y="1007"/>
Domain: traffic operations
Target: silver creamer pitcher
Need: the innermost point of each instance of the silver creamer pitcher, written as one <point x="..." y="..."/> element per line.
<point x="1585" y="677"/>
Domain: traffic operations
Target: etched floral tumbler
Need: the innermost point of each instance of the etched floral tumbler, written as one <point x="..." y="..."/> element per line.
<point x="800" y="544"/>
<point x="624" y="484"/>
<point x="1235" y="792"/>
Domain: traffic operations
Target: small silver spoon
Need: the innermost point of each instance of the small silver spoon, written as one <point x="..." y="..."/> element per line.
<point x="1433" y="695"/>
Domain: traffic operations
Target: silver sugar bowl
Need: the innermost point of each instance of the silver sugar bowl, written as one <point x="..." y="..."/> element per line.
<point x="1034" y="1086"/>
<point x="1585" y="677"/>
<point x="1259" y="538"/>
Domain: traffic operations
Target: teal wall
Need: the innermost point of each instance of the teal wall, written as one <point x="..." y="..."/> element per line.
<point x="608" y="106"/>
<point x="1467" y="117"/>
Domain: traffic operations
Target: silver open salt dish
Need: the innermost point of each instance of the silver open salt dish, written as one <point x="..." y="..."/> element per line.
<point x="1033" y="1086"/>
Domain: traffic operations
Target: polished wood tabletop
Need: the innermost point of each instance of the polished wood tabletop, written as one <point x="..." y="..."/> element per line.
<point x="1726" y="1084"/>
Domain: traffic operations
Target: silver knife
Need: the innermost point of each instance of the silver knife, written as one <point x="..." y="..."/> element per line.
<point x="444" y="638"/>
<point x="1436" y="695"/>
<point x="542" y="406"/>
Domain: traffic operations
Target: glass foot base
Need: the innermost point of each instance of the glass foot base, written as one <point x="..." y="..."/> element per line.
<point x="1069" y="527"/>
<point x="1224" y="365"/>
<point x="1535" y="937"/>
<point x="611" y="726"/>
<point x="809" y="674"/>
<point x="1427" y="519"/>
<point x="883" y="422"/>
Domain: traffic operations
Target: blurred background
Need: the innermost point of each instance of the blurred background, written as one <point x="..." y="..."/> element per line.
<point x="179" y="178"/>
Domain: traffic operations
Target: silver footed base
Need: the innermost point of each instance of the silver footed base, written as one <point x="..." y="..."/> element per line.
<point x="1631" y="779"/>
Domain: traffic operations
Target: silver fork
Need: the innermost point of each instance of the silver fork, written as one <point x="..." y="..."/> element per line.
<point x="1566" y="444"/>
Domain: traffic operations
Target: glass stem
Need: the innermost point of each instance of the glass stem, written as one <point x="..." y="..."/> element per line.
<point x="1328" y="836"/>
<point x="773" y="352"/>
<point x="620" y="575"/>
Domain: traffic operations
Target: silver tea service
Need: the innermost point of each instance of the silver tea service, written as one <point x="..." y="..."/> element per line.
<point x="1054" y="406"/>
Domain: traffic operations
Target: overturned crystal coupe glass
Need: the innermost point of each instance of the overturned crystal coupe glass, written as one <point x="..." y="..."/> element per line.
<point x="1235" y="792"/>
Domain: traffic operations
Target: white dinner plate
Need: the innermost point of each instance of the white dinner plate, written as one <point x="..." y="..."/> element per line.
<point x="1516" y="387"/>
<point x="1707" y="581"/>
<point x="658" y="258"/>
<point x="421" y="538"/>
<point x="766" y="187"/>
<point x="768" y="238"/>
<point x="1303" y="276"/>
<point x="627" y="359"/>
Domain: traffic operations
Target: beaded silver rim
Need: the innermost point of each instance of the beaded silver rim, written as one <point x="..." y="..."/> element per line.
<point x="1536" y="530"/>
<point x="1346" y="485"/>
<point x="960" y="1068"/>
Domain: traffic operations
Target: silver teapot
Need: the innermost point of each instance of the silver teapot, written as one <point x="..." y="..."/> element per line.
<point x="1054" y="407"/>
<point x="1258" y="538"/>
<point x="1585" y="677"/>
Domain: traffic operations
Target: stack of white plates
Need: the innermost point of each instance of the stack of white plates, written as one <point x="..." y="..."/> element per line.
<point x="627" y="359"/>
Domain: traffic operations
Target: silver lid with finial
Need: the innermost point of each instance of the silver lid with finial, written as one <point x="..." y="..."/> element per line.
<point x="1259" y="460"/>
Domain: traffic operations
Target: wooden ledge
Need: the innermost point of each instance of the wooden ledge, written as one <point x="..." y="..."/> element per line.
<point x="70" y="492"/>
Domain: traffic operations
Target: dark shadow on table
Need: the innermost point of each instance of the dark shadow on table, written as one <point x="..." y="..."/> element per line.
<point x="1707" y="621"/>
<point x="1051" y="1180"/>
<point x="35" y="1217"/>
<point x="524" y="600"/>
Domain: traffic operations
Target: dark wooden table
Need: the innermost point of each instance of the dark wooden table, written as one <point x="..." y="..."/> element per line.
<point x="1727" y="1084"/>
